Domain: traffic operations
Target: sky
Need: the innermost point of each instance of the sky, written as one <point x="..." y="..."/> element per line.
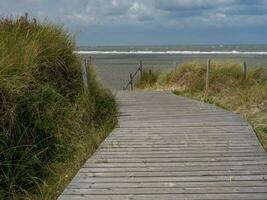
<point x="151" y="22"/>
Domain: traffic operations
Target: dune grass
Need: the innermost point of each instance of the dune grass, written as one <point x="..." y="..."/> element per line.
<point x="148" y="79"/>
<point x="227" y="89"/>
<point x="48" y="126"/>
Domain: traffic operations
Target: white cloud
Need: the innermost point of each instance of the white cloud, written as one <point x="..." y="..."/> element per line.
<point x="185" y="13"/>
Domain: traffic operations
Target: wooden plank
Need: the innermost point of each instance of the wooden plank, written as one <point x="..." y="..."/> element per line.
<point x="243" y="196"/>
<point x="134" y="155"/>
<point x="163" y="185"/>
<point x="173" y="169"/>
<point x="166" y="179"/>
<point x="174" y="159"/>
<point x="174" y="164"/>
<point x="169" y="190"/>
<point x="167" y="148"/>
<point x="173" y="174"/>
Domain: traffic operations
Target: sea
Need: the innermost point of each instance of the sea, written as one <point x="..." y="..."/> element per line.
<point x="113" y="64"/>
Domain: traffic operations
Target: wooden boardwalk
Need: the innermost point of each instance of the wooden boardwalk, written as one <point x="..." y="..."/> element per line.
<point x="171" y="147"/>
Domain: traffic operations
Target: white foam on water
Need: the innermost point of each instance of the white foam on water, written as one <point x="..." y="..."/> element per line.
<point x="234" y="52"/>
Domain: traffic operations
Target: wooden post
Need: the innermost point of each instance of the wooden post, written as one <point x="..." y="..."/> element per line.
<point x="174" y="64"/>
<point x="90" y="60"/>
<point x="26" y="16"/>
<point x="245" y="70"/>
<point x="131" y="81"/>
<point x="85" y="76"/>
<point x="208" y="73"/>
<point x="150" y="76"/>
<point x="141" y="68"/>
<point x="88" y="70"/>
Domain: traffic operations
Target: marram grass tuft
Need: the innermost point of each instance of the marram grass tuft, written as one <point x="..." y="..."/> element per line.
<point x="45" y="115"/>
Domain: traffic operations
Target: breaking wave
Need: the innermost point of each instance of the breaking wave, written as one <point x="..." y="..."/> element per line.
<point x="175" y="52"/>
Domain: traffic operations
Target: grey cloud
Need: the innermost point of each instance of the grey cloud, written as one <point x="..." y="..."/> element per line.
<point x="132" y="11"/>
<point x="184" y="5"/>
<point x="250" y="2"/>
<point x="246" y="10"/>
<point x="174" y="5"/>
<point x="114" y="11"/>
<point x="155" y="14"/>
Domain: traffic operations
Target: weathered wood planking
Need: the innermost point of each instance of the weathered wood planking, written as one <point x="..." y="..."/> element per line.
<point x="167" y="148"/>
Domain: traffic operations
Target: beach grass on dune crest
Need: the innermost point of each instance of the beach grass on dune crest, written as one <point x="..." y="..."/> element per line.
<point x="48" y="126"/>
<point x="148" y="79"/>
<point x="227" y="88"/>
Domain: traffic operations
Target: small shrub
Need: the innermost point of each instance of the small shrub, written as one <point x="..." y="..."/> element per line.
<point x="259" y="75"/>
<point x="148" y="79"/>
<point x="188" y="76"/>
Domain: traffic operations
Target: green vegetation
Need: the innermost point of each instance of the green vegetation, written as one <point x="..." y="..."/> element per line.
<point x="148" y="79"/>
<point x="48" y="126"/>
<point x="227" y="89"/>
